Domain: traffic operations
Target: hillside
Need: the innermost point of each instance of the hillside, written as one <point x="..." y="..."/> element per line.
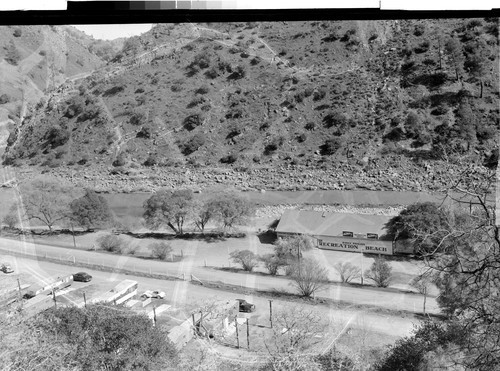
<point x="36" y="59"/>
<point x="286" y="105"/>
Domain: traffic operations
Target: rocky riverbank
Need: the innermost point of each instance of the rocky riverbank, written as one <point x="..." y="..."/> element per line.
<point x="343" y="176"/>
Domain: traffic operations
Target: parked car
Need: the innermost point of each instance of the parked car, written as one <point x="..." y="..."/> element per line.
<point x="153" y="294"/>
<point x="6" y="268"/>
<point x="245" y="306"/>
<point x="82" y="277"/>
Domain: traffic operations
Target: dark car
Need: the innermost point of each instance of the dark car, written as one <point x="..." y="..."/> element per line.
<point x="82" y="277"/>
<point x="245" y="306"/>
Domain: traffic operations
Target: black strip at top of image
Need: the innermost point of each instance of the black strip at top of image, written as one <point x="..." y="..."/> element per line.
<point x="110" y="12"/>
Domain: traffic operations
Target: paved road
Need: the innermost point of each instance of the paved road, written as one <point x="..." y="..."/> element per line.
<point x="185" y="296"/>
<point x="393" y="300"/>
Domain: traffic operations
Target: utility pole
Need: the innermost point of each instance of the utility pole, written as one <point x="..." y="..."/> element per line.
<point x="20" y="293"/>
<point x="154" y="315"/>
<point x="73" y="230"/>
<point x="84" y="300"/>
<point x="248" y="334"/>
<point x="54" y="298"/>
<point x="237" y="334"/>
<point x="271" y="312"/>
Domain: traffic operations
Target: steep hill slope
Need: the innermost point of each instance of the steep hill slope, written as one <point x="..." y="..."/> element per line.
<point x="36" y="59"/>
<point x="282" y="104"/>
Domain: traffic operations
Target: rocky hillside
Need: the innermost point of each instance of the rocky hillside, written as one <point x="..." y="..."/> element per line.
<point x="37" y="59"/>
<point x="285" y="105"/>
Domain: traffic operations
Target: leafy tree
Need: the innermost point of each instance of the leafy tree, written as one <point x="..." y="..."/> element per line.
<point x="160" y="250"/>
<point x="380" y="272"/>
<point x="347" y="271"/>
<point x="132" y="45"/>
<point x="475" y="65"/>
<point x="170" y="208"/>
<point x="109" y="338"/>
<point x="230" y="209"/>
<point x="292" y="248"/>
<point x="308" y="276"/>
<point x="466" y="122"/>
<point x="411" y="352"/>
<point x="46" y="200"/>
<point x="91" y="211"/>
<point x="246" y="258"/>
<point x="193" y="121"/>
<point x="454" y="49"/>
<point x="423" y="223"/>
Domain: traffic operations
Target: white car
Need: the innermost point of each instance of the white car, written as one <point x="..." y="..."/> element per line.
<point x="153" y="294"/>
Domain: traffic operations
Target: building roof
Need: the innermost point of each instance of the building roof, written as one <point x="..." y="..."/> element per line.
<point x="330" y="224"/>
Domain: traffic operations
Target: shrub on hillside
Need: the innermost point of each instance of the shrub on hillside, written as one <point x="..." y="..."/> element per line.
<point x="160" y="250"/>
<point x="331" y="146"/>
<point x="319" y="94"/>
<point x="138" y="117"/>
<point x="12" y="55"/>
<point x="192" y="144"/>
<point x="4" y="98"/>
<point x="229" y="159"/>
<point x="419" y="30"/>
<point x="18" y="32"/>
<point x="192" y="121"/>
<point x="56" y="136"/>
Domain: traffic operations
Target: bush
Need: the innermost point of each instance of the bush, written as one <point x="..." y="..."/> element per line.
<point x="331" y="146"/>
<point x="160" y="250"/>
<point x="211" y="73"/>
<point x="272" y="263"/>
<point x="110" y="242"/>
<point x="422" y="47"/>
<point x="202" y="90"/>
<point x="246" y="258"/>
<point x="4" y="98"/>
<point x="193" y="144"/>
<point x="229" y="159"/>
<point x="56" y="136"/>
<point x="193" y="121"/>
<point x="12" y="55"/>
<point x="319" y="94"/>
<point x="18" y="32"/>
<point x="138" y="117"/>
<point x="380" y="272"/>
<point x="419" y="30"/>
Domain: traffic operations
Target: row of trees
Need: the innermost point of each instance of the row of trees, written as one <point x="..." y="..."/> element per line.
<point x="55" y="203"/>
<point x="175" y="209"/>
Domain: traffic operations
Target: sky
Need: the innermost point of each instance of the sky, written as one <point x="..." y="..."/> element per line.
<point x="113" y="31"/>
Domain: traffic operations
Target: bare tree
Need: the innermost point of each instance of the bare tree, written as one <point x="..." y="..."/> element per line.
<point x="380" y="272"/>
<point x="423" y="284"/>
<point x="246" y="258"/>
<point x="295" y="331"/>
<point x="46" y="200"/>
<point x="308" y="276"/>
<point x="347" y="271"/>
